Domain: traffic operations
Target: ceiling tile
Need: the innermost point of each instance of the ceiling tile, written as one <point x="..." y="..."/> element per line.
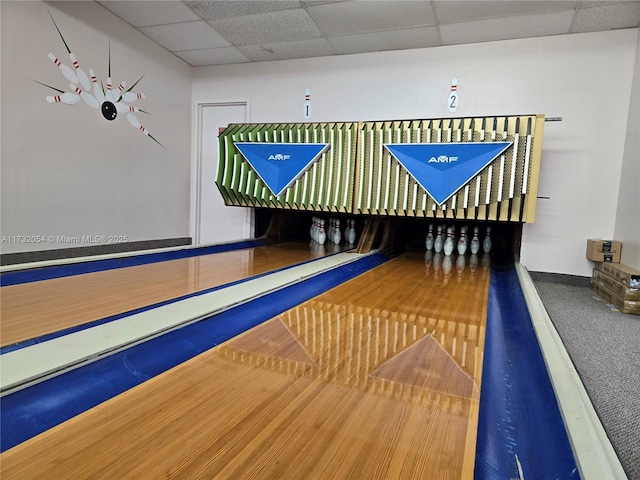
<point x="216" y="10"/>
<point x="212" y="56"/>
<point x="367" y="16"/>
<point x="146" y="13"/>
<point x="269" y="27"/>
<point x="185" y="36"/>
<point x="318" y="47"/>
<point x="522" y="26"/>
<point x="420" y="37"/>
<point x="454" y="11"/>
<point x="607" y="17"/>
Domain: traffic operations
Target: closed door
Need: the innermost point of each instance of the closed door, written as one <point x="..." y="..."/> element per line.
<point x="217" y="222"/>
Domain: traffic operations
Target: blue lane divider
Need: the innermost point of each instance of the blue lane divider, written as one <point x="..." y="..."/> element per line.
<point x="33" y="410"/>
<point x="57" y="271"/>
<point x="520" y="428"/>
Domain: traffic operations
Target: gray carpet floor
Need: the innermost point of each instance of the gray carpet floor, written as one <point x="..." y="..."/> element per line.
<point x="604" y="346"/>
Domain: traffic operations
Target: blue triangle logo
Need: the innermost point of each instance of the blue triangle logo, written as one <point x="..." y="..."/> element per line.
<point x="279" y="165"/>
<point x="443" y="168"/>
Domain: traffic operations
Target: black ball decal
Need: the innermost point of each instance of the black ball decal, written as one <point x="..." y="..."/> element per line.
<point x="109" y="110"/>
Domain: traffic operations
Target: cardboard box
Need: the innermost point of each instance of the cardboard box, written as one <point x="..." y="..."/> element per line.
<point x="625" y="306"/>
<point x="615" y="286"/>
<point x="629" y="277"/>
<point x="603" y="250"/>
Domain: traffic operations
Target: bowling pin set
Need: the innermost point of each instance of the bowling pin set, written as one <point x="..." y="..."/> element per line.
<point x="322" y="232"/>
<point x="444" y="240"/>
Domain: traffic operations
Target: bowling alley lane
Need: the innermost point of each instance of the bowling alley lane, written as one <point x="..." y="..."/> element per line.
<point x="376" y="378"/>
<point x="30" y="310"/>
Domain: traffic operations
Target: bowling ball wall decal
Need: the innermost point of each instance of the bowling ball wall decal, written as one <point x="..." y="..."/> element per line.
<point x="109" y="110"/>
<point x="109" y="102"/>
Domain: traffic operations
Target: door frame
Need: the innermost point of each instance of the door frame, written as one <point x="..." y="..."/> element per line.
<point x="197" y="160"/>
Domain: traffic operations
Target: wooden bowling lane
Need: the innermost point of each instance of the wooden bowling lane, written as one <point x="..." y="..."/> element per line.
<point x="33" y="309"/>
<point x="378" y="378"/>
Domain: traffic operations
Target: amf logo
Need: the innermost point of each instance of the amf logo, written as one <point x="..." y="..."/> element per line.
<point x="442" y="159"/>
<point x="279" y="156"/>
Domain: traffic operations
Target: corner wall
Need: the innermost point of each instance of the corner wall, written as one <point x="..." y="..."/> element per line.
<point x="568" y="76"/>
<point x="627" y="227"/>
<point x="71" y="178"/>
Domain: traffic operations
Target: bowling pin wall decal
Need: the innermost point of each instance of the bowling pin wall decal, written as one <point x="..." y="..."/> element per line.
<point x="306" y="108"/>
<point x="453" y="100"/>
<point x="109" y="103"/>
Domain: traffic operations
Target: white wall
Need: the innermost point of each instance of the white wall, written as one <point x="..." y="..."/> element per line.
<point x="627" y="228"/>
<point x="67" y="171"/>
<point x="584" y="78"/>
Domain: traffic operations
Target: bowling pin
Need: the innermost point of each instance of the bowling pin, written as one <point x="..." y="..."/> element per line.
<point x="351" y="238"/>
<point x="429" y="241"/>
<point x="122" y="108"/>
<point x="118" y="93"/>
<point x="337" y="237"/>
<point x="333" y="230"/>
<point x="97" y="89"/>
<point x="475" y="242"/>
<point x="136" y="123"/>
<point x="448" y="243"/>
<point x="82" y="77"/>
<point x="462" y="243"/>
<point x="312" y="228"/>
<point x="132" y="97"/>
<point x="438" y="242"/>
<point x="486" y="244"/>
<point x="108" y="96"/>
<point x="66" y="71"/>
<point x="67" y="98"/>
<point x="86" y="96"/>
<point x="322" y="235"/>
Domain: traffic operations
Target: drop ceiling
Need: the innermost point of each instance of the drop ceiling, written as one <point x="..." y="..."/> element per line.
<point x="237" y="31"/>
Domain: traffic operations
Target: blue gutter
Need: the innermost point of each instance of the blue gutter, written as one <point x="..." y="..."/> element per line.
<point x="35" y="409"/>
<point x="37" y="274"/>
<point x="521" y="433"/>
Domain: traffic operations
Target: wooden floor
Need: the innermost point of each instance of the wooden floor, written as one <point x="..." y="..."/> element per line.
<point x="377" y="378"/>
<point x="33" y="309"/>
